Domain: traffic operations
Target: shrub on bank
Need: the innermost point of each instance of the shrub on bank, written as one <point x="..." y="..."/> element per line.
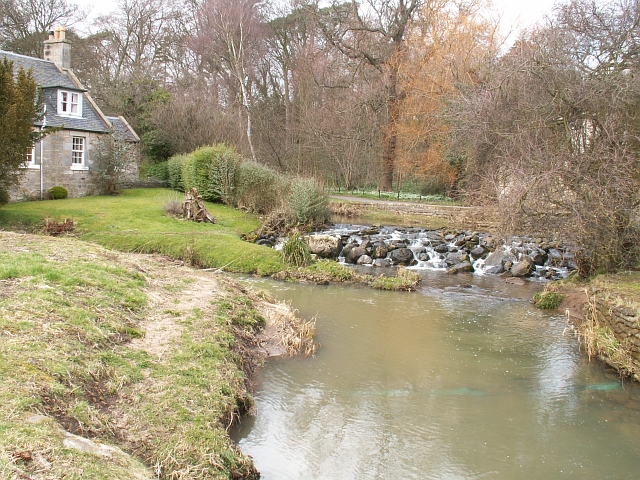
<point x="174" y="171"/>
<point x="308" y="204"/>
<point x="212" y="170"/>
<point x="548" y="300"/>
<point x="220" y="175"/>
<point x="295" y="251"/>
<point x="258" y="188"/>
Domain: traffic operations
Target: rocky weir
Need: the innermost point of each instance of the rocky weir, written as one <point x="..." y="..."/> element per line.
<point x="451" y="251"/>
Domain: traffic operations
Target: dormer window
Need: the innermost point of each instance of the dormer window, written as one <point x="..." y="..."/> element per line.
<point x="69" y="103"/>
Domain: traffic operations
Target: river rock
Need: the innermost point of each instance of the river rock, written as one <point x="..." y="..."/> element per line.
<point x="539" y="256"/>
<point x="423" y="257"/>
<point x="463" y="267"/>
<point x="380" y="251"/>
<point x="523" y="268"/>
<point x="495" y="270"/>
<point x="456" y="257"/>
<point x="497" y="259"/>
<point x="401" y="256"/>
<point x="354" y="254"/>
<point x="478" y="252"/>
<point x="442" y="248"/>
<point x="325" y="246"/>
<point x="381" y="262"/>
<point x="450" y="237"/>
<point x="365" y="260"/>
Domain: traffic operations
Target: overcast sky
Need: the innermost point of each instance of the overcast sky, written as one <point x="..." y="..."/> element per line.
<point x="516" y="12"/>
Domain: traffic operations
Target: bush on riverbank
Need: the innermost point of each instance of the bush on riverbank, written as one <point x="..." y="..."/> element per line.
<point x="547" y="300"/>
<point x="220" y="175"/>
<point x="404" y="280"/>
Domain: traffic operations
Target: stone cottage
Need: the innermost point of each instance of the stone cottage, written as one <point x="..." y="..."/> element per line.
<point x="68" y="157"/>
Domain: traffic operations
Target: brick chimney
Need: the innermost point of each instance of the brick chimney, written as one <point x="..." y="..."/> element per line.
<point x="58" y="49"/>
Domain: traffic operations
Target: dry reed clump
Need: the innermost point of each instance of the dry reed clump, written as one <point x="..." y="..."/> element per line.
<point x="345" y="209"/>
<point x="173" y="207"/>
<point x="56" y="228"/>
<point x="600" y="342"/>
<point x="296" y="334"/>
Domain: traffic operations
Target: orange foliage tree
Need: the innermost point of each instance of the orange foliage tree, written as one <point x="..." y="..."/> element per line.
<point x="445" y="50"/>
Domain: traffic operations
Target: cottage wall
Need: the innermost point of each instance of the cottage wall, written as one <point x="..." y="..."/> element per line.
<point x="57" y="171"/>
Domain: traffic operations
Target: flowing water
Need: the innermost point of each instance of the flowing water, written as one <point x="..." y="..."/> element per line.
<point x="463" y="379"/>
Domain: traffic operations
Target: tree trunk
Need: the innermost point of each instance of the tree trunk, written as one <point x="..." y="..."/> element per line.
<point x="390" y="139"/>
<point x="193" y="208"/>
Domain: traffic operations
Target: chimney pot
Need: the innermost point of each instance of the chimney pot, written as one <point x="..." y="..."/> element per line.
<point x="57" y="48"/>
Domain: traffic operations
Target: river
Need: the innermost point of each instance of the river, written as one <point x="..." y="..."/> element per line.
<point x="463" y="379"/>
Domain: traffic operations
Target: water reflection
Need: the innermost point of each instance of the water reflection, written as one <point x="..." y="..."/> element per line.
<point x="452" y="382"/>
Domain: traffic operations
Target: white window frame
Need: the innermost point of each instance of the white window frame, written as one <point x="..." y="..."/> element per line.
<point x="78" y="153"/>
<point x="30" y="158"/>
<point x="69" y="103"/>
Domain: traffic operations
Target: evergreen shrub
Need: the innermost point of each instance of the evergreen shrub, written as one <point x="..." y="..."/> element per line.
<point x="259" y="189"/>
<point x="58" y="193"/>
<point x="174" y="170"/>
<point x="159" y="171"/>
<point x="307" y="202"/>
<point x="212" y="171"/>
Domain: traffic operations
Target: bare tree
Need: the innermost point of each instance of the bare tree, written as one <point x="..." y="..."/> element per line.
<point x="552" y="136"/>
<point x="228" y="38"/>
<point x="375" y="32"/>
<point x="24" y="24"/>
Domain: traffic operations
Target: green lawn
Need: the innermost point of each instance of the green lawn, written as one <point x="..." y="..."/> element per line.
<point x="135" y="221"/>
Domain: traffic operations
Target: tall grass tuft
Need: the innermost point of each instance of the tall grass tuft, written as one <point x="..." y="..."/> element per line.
<point x="173" y="207"/>
<point x="295" y="251"/>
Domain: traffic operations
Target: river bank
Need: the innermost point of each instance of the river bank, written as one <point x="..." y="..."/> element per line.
<point x="127" y="366"/>
<point x="604" y="312"/>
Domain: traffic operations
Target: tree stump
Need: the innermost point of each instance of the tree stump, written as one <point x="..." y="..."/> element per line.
<point x="193" y="208"/>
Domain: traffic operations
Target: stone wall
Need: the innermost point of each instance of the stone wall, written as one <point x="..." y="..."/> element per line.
<point x="623" y="322"/>
<point x="57" y="170"/>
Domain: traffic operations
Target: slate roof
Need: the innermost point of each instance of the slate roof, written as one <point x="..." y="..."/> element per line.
<point x="122" y="130"/>
<point x="45" y="73"/>
<point x="48" y="76"/>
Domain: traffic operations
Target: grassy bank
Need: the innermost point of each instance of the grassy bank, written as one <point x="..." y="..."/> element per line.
<point x="134" y="352"/>
<point x="136" y="222"/>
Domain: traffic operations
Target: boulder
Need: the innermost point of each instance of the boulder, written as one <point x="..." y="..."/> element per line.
<point x="495" y="270"/>
<point x="497" y="259"/>
<point x="478" y="252"/>
<point x="354" y="254"/>
<point x="381" y="262"/>
<point x="423" y="257"/>
<point x="523" y="268"/>
<point x="380" y="251"/>
<point x="325" y="246"/>
<point x="442" y="248"/>
<point x="454" y="258"/>
<point x="463" y="267"/>
<point x="365" y="260"/>
<point x="401" y="256"/>
<point x="539" y="256"/>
